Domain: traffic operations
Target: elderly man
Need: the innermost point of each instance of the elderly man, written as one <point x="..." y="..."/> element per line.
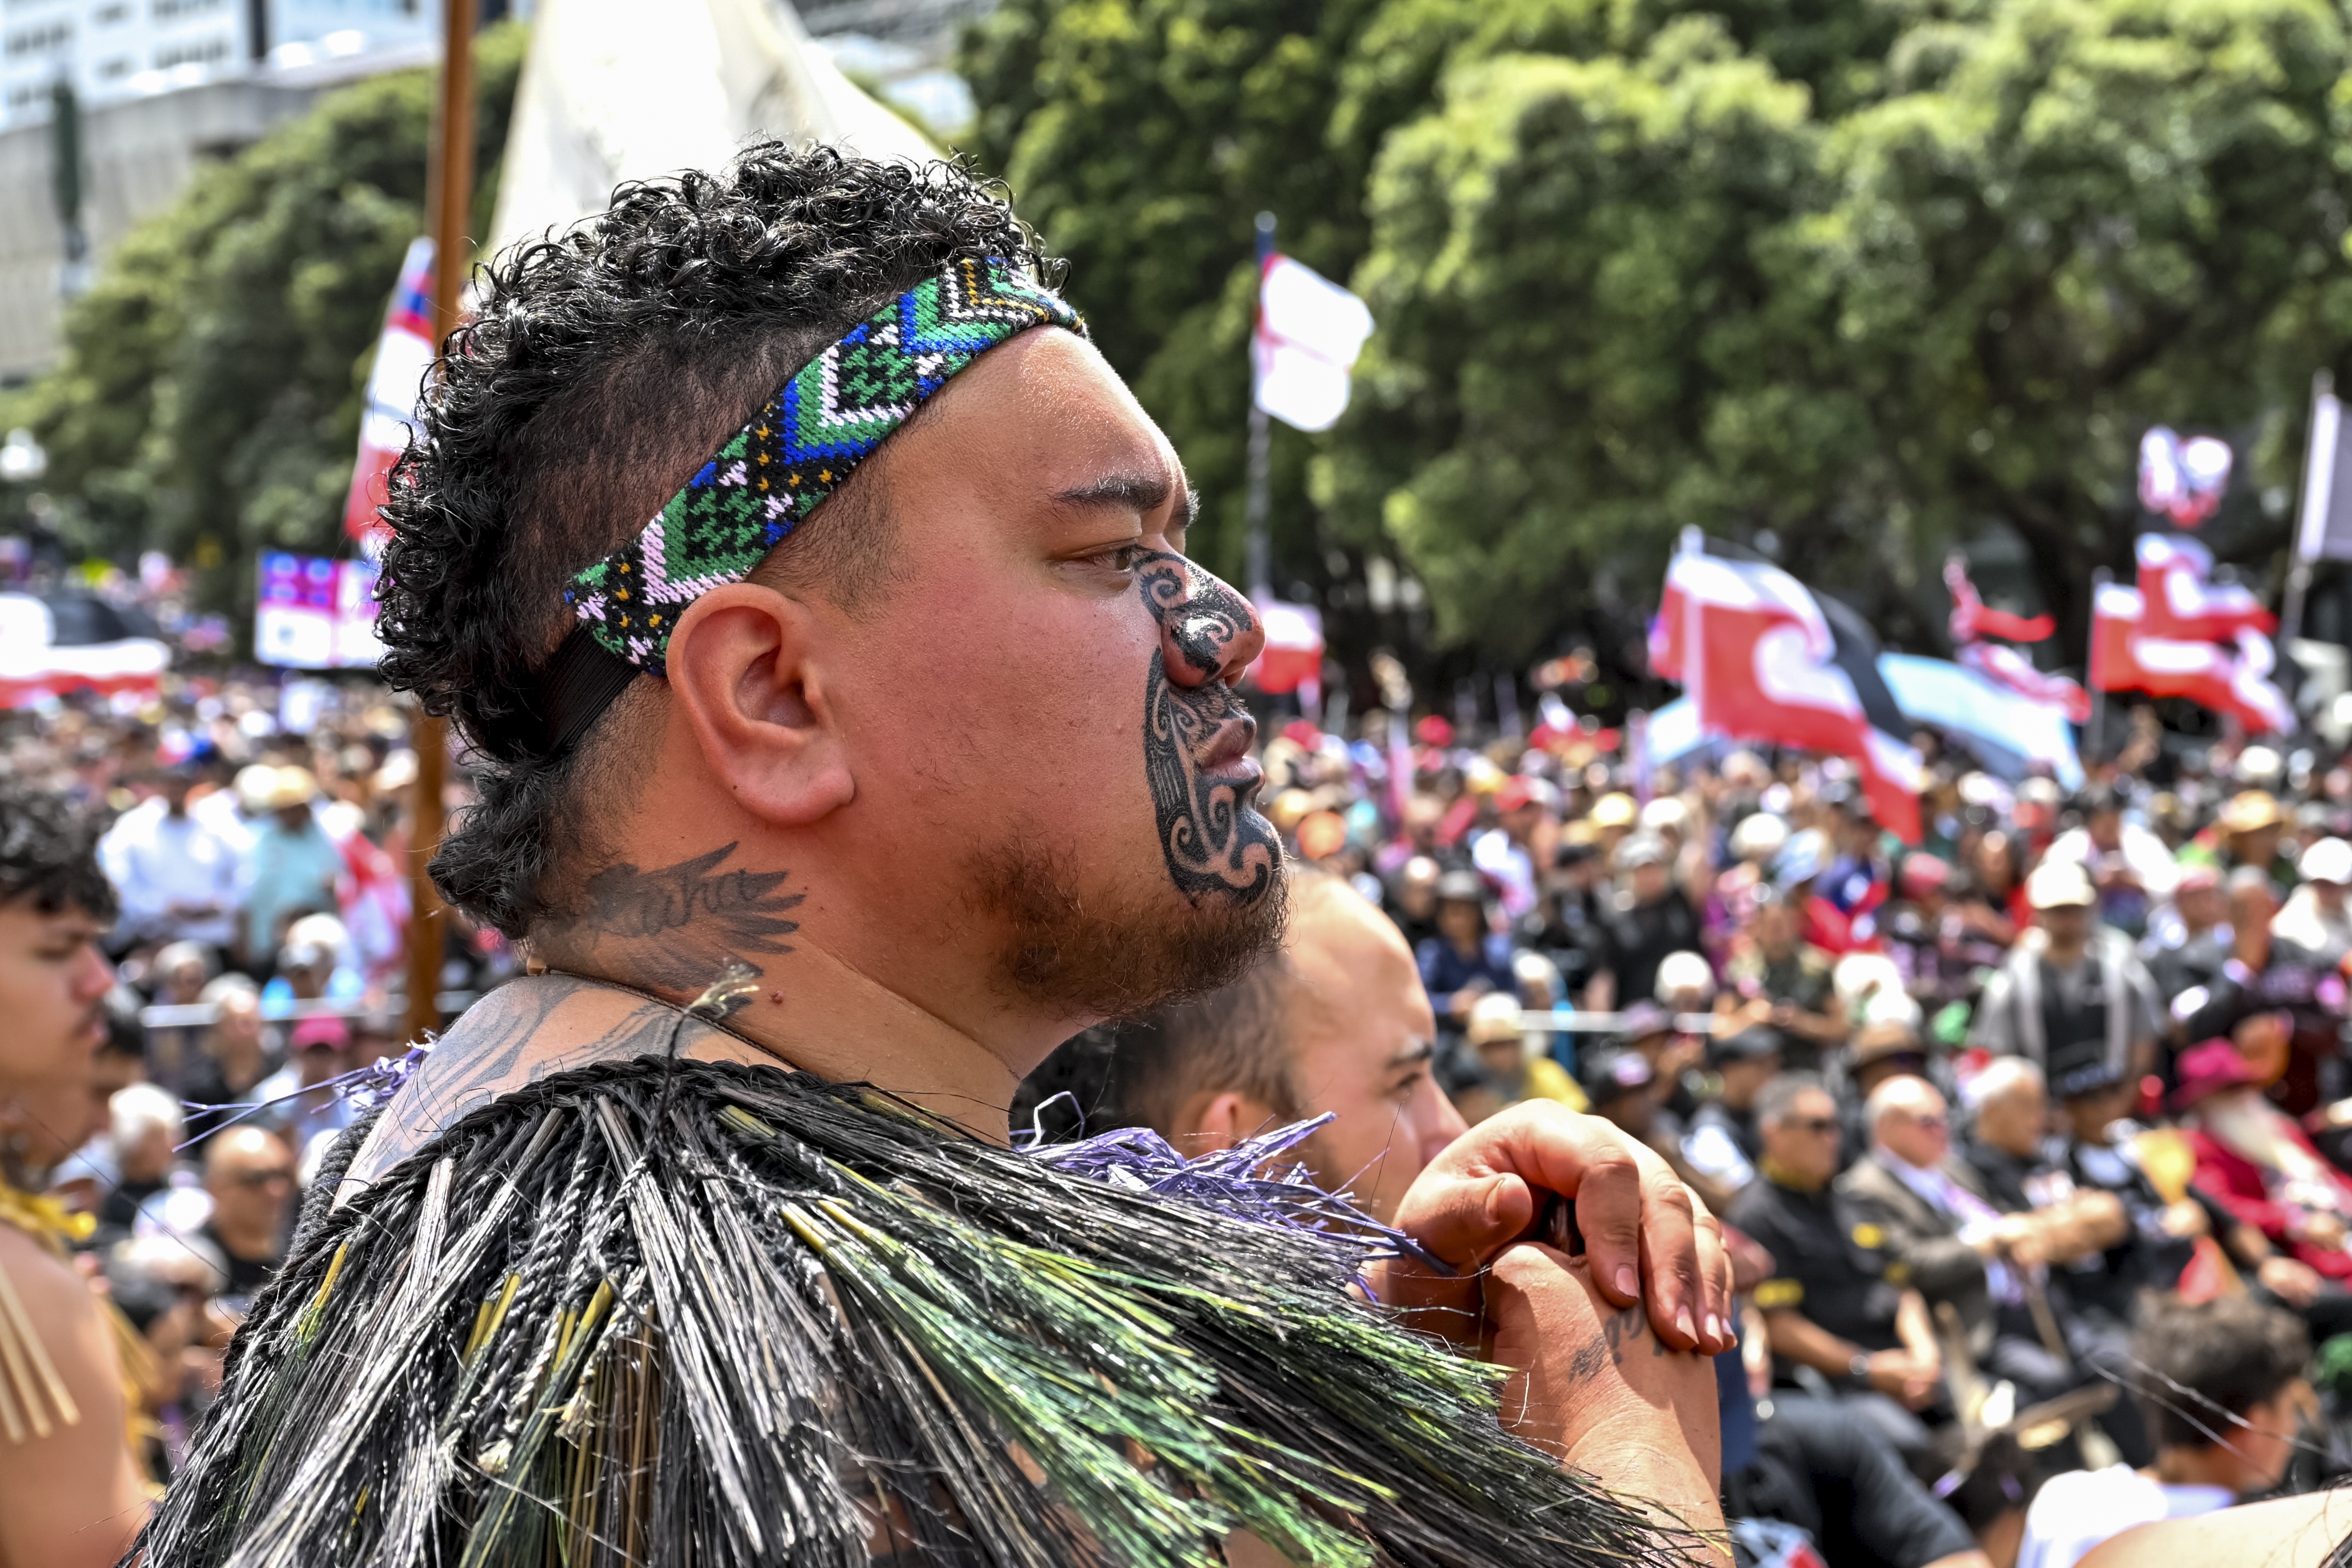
<point x="249" y="1175"/>
<point x="901" y="745"/>
<point x="2068" y="980"/>
<point x="2259" y="1164"/>
<point x="1961" y="1247"/>
<point x="1839" y="1303"/>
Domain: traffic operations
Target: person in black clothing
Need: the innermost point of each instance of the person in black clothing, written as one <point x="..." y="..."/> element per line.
<point x="1723" y="1143"/>
<point x="2189" y="940"/>
<point x="1829" y="1475"/>
<point x="1569" y="921"/>
<point x="2097" y="1155"/>
<point x="250" y="1175"/>
<point x="1837" y="1306"/>
<point x="1652" y="918"/>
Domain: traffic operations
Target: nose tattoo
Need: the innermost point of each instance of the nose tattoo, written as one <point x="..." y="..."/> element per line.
<point x="1215" y="845"/>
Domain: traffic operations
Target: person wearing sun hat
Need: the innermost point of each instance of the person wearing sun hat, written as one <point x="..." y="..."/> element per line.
<point x="2259" y="1163"/>
<point x="2246" y="832"/>
<point x="2315" y="916"/>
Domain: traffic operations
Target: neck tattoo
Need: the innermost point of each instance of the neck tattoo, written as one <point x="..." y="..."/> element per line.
<point x="1215" y="843"/>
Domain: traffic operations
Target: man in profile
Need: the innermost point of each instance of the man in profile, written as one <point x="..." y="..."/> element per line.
<point x="898" y="746"/>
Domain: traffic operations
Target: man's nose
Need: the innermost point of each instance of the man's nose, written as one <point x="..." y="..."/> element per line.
<point x="1207" y="631"/>
<point x="97" y="976"/>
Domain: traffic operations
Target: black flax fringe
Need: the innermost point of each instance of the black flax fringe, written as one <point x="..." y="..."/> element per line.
<point x="684" y="1312"/>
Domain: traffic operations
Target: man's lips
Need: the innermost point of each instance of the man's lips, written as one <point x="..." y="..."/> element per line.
<point x="1228" y="757"/>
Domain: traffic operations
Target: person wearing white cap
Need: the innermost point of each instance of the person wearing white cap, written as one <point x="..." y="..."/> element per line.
<point x="2068" y="981"/>
<point x="2314" y="915"/>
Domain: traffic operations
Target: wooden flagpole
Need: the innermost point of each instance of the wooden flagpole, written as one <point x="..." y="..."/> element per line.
<point x="449" y="193"/>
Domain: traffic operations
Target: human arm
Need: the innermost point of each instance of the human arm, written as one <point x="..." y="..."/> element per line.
<point x="2091" y="1221"/>
<point x="71" y="1498"/>
<point x="2286" y="1532"/>
<point x="1902" y="1374"/>
<point x="1942" y="1265"/>
<point x="1592" y="1386"/>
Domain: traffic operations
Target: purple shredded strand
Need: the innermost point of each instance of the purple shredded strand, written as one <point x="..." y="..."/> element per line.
<point x="1242" y="1183"/>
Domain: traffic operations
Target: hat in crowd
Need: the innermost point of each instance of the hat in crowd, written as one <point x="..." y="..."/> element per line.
<point x="1614" y="810"/>
<point x="1494" y="1018"/>
<point x="1666" y="812"/>
<point x="1641" y="1020"/>
<point x="1922" y="871"/>
<point x="2250" y="811"/>
<point x="2329" y="860"/>
<point x="1758" y="837"/>
<point x="254" y="784"/>
<point x="1752" y="1044"/>
<point x="1641" y="849"/>
<point x="2198" y="874"/>
<point x="2082" y="1068"/>
<point x="1805" y="856"/>
<point x="1462" y="886"/>
<point x="2206" y="1070"/>
<point x="1613" y="1074"/>
<point x="290" y="787"/>
<point x="2058" y="884"/>
<point x="313" y="1033"/>
<point x="1516" y="793"/>
<point x="2259" y="764"/>
<point x="1880" y="1041"/>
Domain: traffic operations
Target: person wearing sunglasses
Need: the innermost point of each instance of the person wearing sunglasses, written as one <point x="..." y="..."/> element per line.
<point x="1838" y="1307"/>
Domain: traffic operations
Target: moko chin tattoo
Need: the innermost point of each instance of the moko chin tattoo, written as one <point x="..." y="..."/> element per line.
<point x="1216" y="845"/>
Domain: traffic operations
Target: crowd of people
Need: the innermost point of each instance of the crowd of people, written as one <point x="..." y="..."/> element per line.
<point x="2031" y="1138"/>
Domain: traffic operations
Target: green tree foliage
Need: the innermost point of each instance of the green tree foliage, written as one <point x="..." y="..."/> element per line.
<point x="1870" y="275"/>
<point x="208" y="400"/>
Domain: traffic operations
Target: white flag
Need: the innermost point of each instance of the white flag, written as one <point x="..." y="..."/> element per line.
<point x="620" y="89"/>
<point x="1309" y="331"/>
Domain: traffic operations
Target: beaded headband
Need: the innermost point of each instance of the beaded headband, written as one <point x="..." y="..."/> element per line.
<point x="796" y="451"/>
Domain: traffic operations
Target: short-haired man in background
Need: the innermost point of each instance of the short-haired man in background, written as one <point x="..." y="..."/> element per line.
<point x="2067" y="980"/>
<point x="2222" y="1383"/>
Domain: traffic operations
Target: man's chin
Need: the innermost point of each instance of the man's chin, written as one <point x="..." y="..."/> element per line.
<point x="1108" y="954"/>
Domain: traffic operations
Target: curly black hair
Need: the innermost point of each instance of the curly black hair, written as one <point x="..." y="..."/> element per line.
<point x="603" y="366"/>
<point x="49" y="855"/>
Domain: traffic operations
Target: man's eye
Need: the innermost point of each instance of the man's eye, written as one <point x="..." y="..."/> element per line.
<point x="1121" y="557"/>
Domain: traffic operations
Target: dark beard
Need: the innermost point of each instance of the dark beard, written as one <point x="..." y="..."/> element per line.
<point x="1111" y="959"/>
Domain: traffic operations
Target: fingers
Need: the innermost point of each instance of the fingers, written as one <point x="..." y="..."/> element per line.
<point x="1717" y="1333"/>
<point x="1669" y="1241"/>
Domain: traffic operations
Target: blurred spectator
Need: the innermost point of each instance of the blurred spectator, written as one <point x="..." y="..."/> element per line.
<point x="2314" y="916"/>
<point x="1724" y="1143"/>
<point x="2129" y="865"/>
<point x="303" y="1098"/>
<point x="2266" y="974"/>
<point x="1778" y="979"/>
<point x="1412" y="900"/>
<point x="1829" y="1475"/>
<point x="178" y="879"/>
<point x="249" y="1175"/>
<point x="235" y="1056"/>
<point x="2259" y="1164"/>
<point x="1469" y="958"/>
<point x="146" y="1130"/>
<point x="1837" y="1304"/>
<point x="2071" y="980"/>
<point x="293" y="865"/>
<point x="2189" y="941"/>
<point x="1617" y="1081"/>
<point x="1512" y="1066"/>
<point x="2224" y="1390"/>
<point x="1651" y="918"/>
<point x="2246" y="833"/>
<point x="2099" y="1156"/>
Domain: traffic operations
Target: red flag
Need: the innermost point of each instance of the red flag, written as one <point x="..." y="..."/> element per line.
<point x="2181" y="603"/>
<point x="402" y="356"/>
<point x="2228" y="679"/>
<point x="1764" y="672"/>
<point x="1973" y="620"/>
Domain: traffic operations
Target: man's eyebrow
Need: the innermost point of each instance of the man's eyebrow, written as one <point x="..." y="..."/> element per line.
<point x="1414" y="1054"/>
<point x="1118" y="492"/>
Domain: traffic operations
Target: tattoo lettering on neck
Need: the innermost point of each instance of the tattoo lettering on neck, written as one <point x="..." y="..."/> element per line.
<point x="1215" y="843"/>
<point x="682" y="922"/>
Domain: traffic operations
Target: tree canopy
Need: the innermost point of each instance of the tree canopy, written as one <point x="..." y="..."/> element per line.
<point x="1846" y="279"/>
<point x="208" y="400"/>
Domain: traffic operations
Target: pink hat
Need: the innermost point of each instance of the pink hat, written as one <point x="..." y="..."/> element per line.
<point x="2206" y="1070"/>
<point x="332" y="1033"/>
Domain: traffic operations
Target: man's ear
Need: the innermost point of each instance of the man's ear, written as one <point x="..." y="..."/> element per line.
<point x="1215" y="1123"/>
<point x="741" y="669"/>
